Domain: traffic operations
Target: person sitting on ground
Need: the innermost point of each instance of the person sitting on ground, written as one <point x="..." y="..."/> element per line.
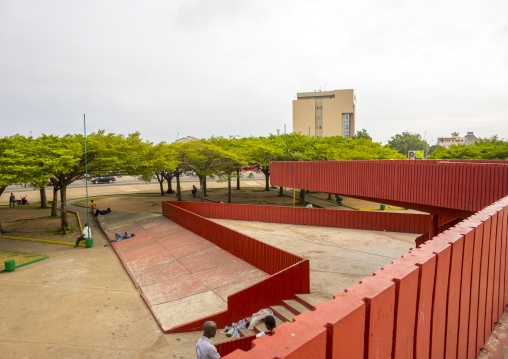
<point x="270" y="323"/>
<point x="204" y="347"/>
<point x="102" y="212"/>
<point x="84" y="236"/>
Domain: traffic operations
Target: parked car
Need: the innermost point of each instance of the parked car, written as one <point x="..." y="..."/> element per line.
<point x="103" y="179"/>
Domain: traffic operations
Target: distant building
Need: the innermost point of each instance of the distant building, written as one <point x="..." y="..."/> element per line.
<point x="187" y="139"/>
<point x="325" y="113"/>
<point x="446" y="142"/>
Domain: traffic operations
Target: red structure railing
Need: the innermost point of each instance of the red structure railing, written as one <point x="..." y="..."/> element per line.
<point x="455" y="189"/>
<point x="438" y="301"/>
<point x="230" y="346"/>
<point x="375" y="221"/>
<point x="289" y="273"/>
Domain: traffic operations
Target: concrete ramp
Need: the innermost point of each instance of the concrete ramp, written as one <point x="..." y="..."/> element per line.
<point x="182" y="276"/>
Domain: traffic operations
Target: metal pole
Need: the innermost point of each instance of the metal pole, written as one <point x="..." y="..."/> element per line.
<point x="86" y="181"/>
<point x="285" y="150"/>
<point x="309" y="149"/>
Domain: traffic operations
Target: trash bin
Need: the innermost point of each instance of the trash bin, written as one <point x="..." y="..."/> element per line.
<point x="89" y="242"/>
<point x="383" y="207"/>
<point x="10" y="265"/>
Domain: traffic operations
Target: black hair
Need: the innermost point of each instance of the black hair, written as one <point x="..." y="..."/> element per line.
<point x="270" y="322"/>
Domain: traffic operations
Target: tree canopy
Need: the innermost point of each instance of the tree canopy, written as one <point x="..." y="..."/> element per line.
<point x="491" y="148"/>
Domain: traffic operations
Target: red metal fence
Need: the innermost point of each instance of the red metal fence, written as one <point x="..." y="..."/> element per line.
<point x="375" y="221"/>
<point x="289" y="273"/>
<point x="438" y="301"/>
<point x="459" y="185"/>
<point x="230" y="346"/>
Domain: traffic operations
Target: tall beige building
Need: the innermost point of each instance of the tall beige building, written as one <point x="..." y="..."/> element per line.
<point x="326" y="113"/>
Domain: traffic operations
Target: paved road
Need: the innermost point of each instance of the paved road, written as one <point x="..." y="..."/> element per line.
<point x="129" y="180"/>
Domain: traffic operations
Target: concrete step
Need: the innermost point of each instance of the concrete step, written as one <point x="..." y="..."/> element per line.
<point x="295" y="306"/>
<point x="281" y="312"/>
<point x="246" y="332"/>
<point x="310" y="300"/>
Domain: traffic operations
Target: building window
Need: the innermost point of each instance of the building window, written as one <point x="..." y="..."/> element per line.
<point x="346" y="125"/>
<point x="319" y="107"/>
<point x="319" y="127"/>
<point x="319" y="117"/>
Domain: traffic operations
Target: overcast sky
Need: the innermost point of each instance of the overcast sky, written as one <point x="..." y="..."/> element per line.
<point x="216" y="67"/>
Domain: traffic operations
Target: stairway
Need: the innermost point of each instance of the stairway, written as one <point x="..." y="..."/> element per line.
<point x="283" y="313"/>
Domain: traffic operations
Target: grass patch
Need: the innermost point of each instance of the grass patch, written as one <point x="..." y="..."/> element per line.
<point x="20" y="258"/>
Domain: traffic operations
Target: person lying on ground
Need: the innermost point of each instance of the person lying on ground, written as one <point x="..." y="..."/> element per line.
<point x="102" y="212"/>
<point x="119" y="236"/>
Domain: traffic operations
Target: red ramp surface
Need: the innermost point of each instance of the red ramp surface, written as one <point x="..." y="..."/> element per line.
<point x="182" y="276"/>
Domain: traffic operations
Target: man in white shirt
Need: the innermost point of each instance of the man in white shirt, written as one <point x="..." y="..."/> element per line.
<point x="84" y="236"/>
<point x="204" y="347"/>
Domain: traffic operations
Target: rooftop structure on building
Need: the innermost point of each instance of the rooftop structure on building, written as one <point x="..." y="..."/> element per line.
<point x="187" y="139"/>
<point x="446" y="142"/>
<point x="325" y="113"/>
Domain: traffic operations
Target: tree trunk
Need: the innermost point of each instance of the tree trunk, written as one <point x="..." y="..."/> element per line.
<point x="229" y="188"/>
<point x="55" y="202"/>
<point x="204" y="187"/>
<point x="329" y="196"/>
<point x="44" y="201"/>
<point x="178" y="191"/>
<point x="267" y="178"/>
<point x="160" y="178"/>
<point x="2" y="189"/>
<point x="237" y="179"/>
<point x="63" y="206"/>
<point x="202" y="183"/>
<point x="170" y="187"/>
<point x="281" y="191"/>
<point x="302" y="197"/>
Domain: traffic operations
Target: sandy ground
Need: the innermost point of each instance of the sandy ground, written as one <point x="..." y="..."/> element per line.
<point x="34" y="222"/>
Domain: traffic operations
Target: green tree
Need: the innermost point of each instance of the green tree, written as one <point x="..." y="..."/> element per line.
<point x="407" y="141"/>
<point x="201" y="157"/>
<point x="362" y="134"/>
<point x="230" y="161"/>
<point x="14" y="166"/>
<point x="491" y="148"/>
<point x="106" y="154"/>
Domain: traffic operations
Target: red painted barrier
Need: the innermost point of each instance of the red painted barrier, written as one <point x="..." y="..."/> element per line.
<point x="425" y="237"/>
<point x="289" y="272"/>
<point x="375" y="221"/>
<point x="458" y="188"/>
<point x="230" y="346"/>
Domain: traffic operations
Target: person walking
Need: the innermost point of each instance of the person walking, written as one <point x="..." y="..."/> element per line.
<point x="204" y="347"/>
<point x="12" y="198"/>
<point x="84" y="236"/>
